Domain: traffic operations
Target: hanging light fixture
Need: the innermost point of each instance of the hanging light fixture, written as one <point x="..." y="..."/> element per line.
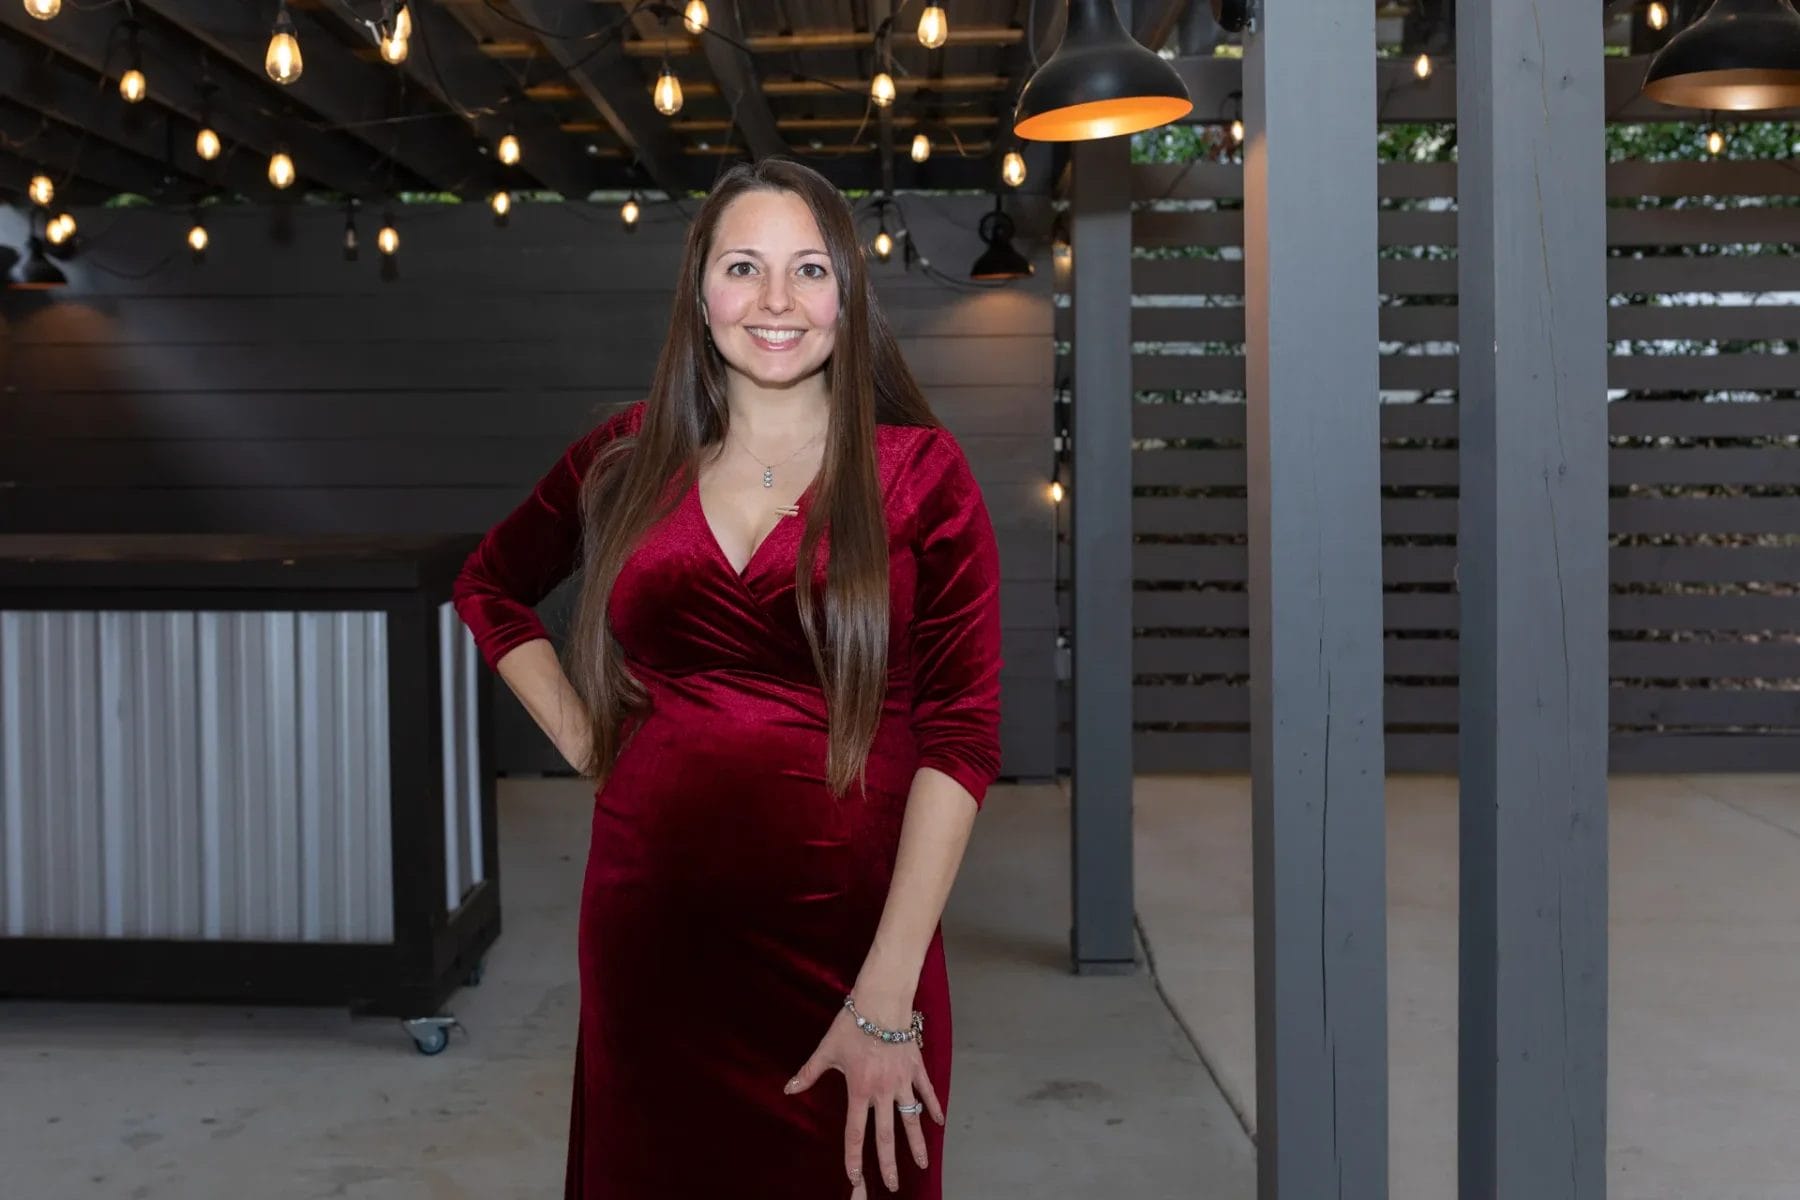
<point x="281" y="169"/>
<point x="1012" y="168"/>
<point x="59" y="229"/>
<point x="1715" y="141"/>
<point x="1099" y="83"/>
<point x="629" y="212"/>
<point x="501" y="203"/>
<point x="881" y="89"/>
<point x="1656" y="15"/>
<point x="921" y="148"/>
<point x="133" y="87"/>
<point x="393" y="49"/>
<point x="282" y="59"/>
<point x="1422" y="66"/>
<point x="43" y="10"/>
<point x="1740" y="55"/>
<point x="668" y="92"/>
<point x="934" y="27"/>
<point x="403" y="25"/>
<point x="999" y="260"/>
<point x="695" y="17"/>
<point x="41" y="190"/>
<point x="508" y="149"/>
<point x="388" y="239"/>
<point x="36" y="272"/>
<point x="206" y="143"/>
<point x="197" y="238"/>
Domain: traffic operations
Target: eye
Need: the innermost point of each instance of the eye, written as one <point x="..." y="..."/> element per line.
<point x="742" y="262"/>
<point x="813" y="266"/>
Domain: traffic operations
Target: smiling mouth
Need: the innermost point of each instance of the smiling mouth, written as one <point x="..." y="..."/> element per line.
<point x="775" y="339"/>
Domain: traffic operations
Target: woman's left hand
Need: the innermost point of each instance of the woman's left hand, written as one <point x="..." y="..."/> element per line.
<point x="878" y="1073"/>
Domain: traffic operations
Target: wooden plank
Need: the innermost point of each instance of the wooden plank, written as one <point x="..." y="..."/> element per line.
<point x="1414" y="181"/>
<point x="1438" y="658"/>
<point x="1220" y="703"/>
<point x="1664" y="274"/>
<point x="1699" y="226"/>
<point x="1625" y="418"/>
<point x="1437" y="467"/>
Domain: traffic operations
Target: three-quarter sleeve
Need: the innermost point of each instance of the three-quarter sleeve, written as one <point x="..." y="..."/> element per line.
<point x="532" y="549"/>
<point x="955" y="630"/>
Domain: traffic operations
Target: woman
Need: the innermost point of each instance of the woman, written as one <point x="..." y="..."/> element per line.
<point x="783" y="670"/>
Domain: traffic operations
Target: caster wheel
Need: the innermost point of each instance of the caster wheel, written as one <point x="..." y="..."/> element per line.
<point x="429" y="1034"/>
<point x="476" y="973"/>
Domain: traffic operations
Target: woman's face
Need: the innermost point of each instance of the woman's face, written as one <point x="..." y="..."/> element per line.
<point x="771" y="297"/>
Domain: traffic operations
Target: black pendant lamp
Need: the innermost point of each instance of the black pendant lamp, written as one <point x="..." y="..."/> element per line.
<point x="1099" y="83"/>
<point x="1741" y="54"/>
<point x="37" y="272"/>
<point x="999" y="260"/>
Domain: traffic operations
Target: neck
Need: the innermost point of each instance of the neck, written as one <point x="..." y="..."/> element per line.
<point x="777" y="414"/>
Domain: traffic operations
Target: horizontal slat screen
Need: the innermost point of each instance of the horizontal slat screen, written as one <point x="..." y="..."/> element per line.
<point x="1704" y="420"/>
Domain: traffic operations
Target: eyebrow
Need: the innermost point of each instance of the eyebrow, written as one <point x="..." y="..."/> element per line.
<point x="757" y="254"/>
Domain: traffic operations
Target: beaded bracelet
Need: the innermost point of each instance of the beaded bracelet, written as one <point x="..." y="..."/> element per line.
<point x="915" y="1034"/>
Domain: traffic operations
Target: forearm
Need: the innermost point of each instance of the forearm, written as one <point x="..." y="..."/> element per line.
<point x="534" y="674"/>
<point x="934" y="833"/>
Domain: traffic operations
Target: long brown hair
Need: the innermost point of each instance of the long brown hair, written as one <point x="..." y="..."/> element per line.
<point x="628" y="489"/>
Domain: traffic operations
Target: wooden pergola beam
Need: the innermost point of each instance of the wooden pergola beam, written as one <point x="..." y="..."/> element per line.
<point x="43" y="81"/>
<point x="446" y="61"/>
<point x="1156" y="20"/>
<point x="784" y="43"/>
<point x="326" y="159"/>
<point x="612" y="85"/>
<point x="66" y="153"/>
<point x="735" y="72"/>
<point x="334" y="85"/>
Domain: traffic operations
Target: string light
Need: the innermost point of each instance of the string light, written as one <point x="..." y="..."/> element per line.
<point x="42" y="191"/>
<point x="934" y="28"/>
<point x="1715" y="142"/>
<point x="389" y="237"/>
<point x="393" y="49"/>
<point x="282" y="61"/>
<point x="43" y="10"/>
<point x="629" y="212"/>
<point x="1657" y="15"/>
<point x="206" y="143"/>
<point x="1237" y="130"/>
<point x="501" y="202"/>
<point x="1012" y="168"/>
<point x="668" y="92"/>
<point x="1056" y="491"/>
<point x="403" y="23"/>
<point x="350" y="242"/>
<point x="132" y="86"/>
<point x="881" y="89"/>
<point x="884" y="245"/>
<point x="281" y="169"/>
<point x="921" y="147"/>
<point x="197" y="238"/>
<point x="1422" y="66"/>
<point x="60" y="229"/>
<point x="695" y="17"/>
<point x="509" y="149"/>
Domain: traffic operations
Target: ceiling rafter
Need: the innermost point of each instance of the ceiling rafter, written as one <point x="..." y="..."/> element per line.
<point x="16" y="173"/>
<point x="735" y="73"/>
<point x="782" y="43"/>
<point x="588" y="49"/>
<point x="237" y="112"/>
<point x="44" y="81"/>
<point x="64" y="152"/>
<point x="336" y="86"/>
<point x="447" y="62"/>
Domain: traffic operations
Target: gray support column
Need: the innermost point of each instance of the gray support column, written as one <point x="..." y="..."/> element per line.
<point x="1310" y="295"/>
<point x="1533" y="575"/>
<point x="1100" y="529"/>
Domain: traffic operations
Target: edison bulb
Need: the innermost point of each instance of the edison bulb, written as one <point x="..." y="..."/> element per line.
<point x="1237" y="131"/>
<point x="1012" y="168"/>
<point x="60" y="229"/>
<point x="388" y="239"/>
<point x="132" y="86"/>
<point x="921" y="148"/>
<point x="197" y="238"/>
<point x="281" y="169"/>
<point x="509" y="150"/>
<point x="393" y="50"/>
<point x="403" y="24"/>
<point x="629" y="213"/>
<point x="668" y="93"/>
<point x="884" y="245"/>
<point x="282" y="61"/>
<point x="881" y="89"/>
<point x="1715" y="142"/>
<point x="934" y="29"/>
<point x="206" y="143"/>
<point x="695" y="17"/>
<point x="1056" y="491"/>
<point x="42" y="190"/>
<point x="1422" y="66"/>
<point x="43" y="10"/>
<point x="1657" y="16"/>
<point x="501" y="203"/>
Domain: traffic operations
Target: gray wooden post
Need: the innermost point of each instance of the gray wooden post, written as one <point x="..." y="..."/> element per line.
<point x="1310" y="296"/>
<point x="1533" y="576"/>
<point x="1101" y="940"/>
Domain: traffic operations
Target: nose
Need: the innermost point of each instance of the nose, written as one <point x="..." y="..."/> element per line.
<point x="775" y="298"/>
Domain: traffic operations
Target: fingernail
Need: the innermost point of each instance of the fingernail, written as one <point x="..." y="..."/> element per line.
<point x="791" y="1085"/>
<point x="893" y="1182"/>
<point x="856" y="1176"/>
<point x="920" y="1159"/>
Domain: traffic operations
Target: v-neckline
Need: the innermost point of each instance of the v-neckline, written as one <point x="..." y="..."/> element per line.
<point x="800" y="504"/>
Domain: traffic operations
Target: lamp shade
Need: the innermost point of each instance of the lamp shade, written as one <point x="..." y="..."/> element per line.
<point x="36" y="271"/>
<point x="1099" y="83"/>
<point x="1742" y="54"/>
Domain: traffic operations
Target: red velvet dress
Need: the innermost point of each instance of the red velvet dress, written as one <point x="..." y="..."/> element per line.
<point x="729" y="901"/>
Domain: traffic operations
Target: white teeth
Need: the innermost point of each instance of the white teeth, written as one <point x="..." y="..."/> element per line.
<point x="773" y="335"/>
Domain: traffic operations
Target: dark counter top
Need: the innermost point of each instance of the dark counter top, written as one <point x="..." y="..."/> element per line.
<point x="236" y="561"/>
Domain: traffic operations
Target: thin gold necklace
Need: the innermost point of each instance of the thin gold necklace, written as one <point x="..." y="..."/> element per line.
<point x="768" y="479"/>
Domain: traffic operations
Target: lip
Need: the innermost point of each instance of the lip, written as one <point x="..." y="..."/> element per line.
<point x="776" y="347"/>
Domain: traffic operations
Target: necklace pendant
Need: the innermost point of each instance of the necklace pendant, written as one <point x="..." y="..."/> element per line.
<point x="768" y="477"/>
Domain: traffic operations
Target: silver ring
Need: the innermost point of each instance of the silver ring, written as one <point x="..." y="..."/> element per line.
<point x="911" y="1109"/>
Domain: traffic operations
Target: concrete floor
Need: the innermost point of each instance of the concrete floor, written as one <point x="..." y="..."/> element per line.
<point x="1065" y="1087"/>
<point x="1704" y="1040"/>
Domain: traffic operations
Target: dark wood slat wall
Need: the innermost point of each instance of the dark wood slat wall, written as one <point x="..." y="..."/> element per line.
<point x="279" y="388"/>
<point x="1705" y="507"/>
